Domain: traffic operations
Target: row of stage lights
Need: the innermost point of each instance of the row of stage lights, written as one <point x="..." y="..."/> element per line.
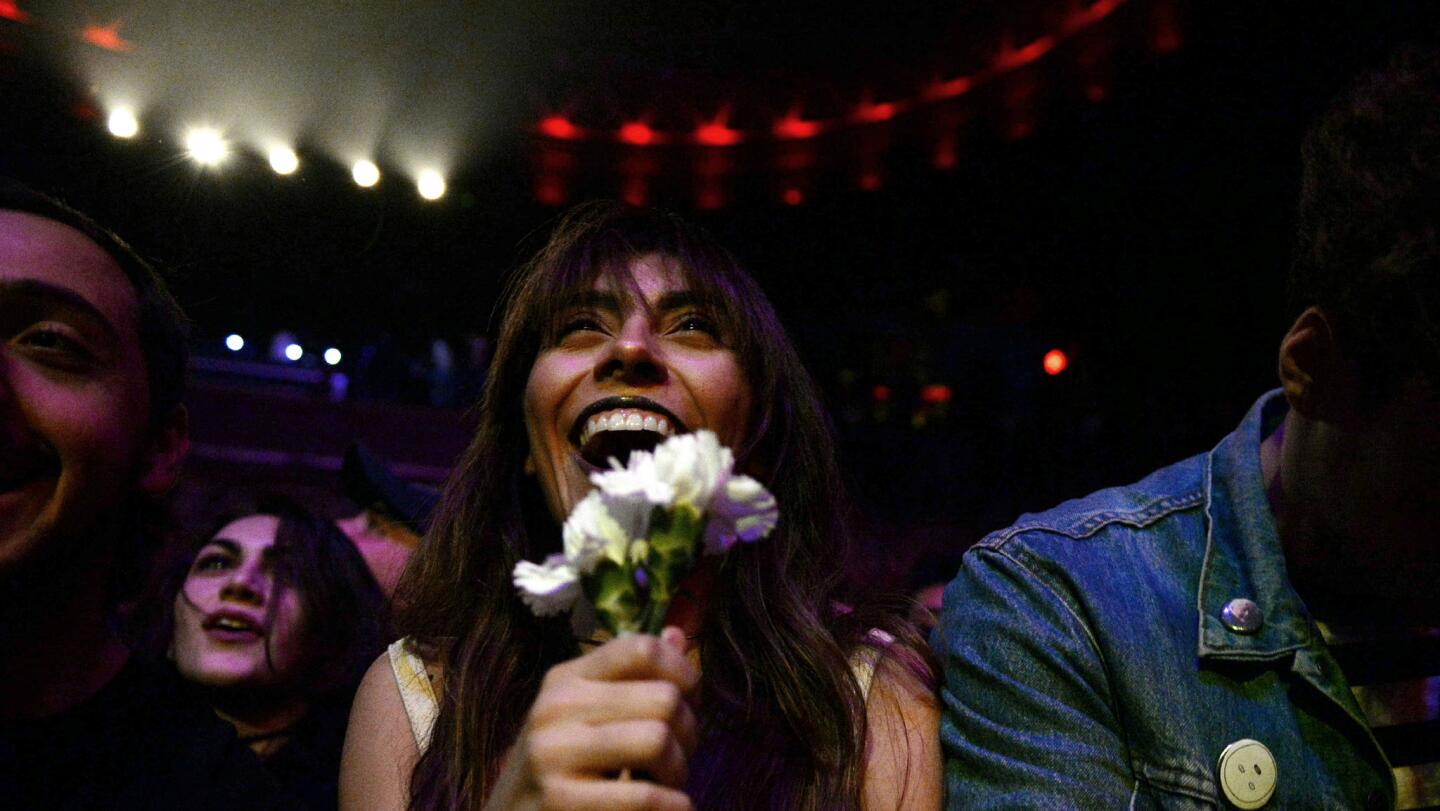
<point x="208" y="148"/>
<point x="291" y="351"/>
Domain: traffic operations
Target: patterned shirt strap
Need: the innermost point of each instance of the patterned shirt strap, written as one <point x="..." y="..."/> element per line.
<point x="421" y="707"/>
<point x="864" y="658"/>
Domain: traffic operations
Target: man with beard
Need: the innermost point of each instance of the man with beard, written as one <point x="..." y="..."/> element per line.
<point x="1255" y="625"/>
<point x="92" y="431"/>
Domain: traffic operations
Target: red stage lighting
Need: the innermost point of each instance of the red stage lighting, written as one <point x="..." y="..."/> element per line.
<point x="881" y="393"/>
<point x="792" y="197"/>
<point x="107" y="37"/>
<point x="867" y="113"/>
<point x="1019" y="57"/>
<point x="935" y="393"/>
<point x="715" y="133"/>
<point x="792" y="126"/>
<point x="1055" y="362"/>
<point x="10" y="10"/>
<point x="558" y="126"/>
<point x="637" y="133"/>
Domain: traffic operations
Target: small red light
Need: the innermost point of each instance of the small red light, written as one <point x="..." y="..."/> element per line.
<point x="558" y="126"/>
<point x="868" y="113"/>
<point x="10" y="10"/>
<point x="1010" y="59"/>
<point x="715" y="133"/>
<point x="881" y="393"/>
<point x="1055" y="362"/>
<point x="793" y="126"/>
<point x="107" y="37"/>
<point x="935" y="393"/>
<point x="958" y="86"/>
<point x="792" y="197"/>
<point x="870" y="181"/>
<point x="637" y="133"/>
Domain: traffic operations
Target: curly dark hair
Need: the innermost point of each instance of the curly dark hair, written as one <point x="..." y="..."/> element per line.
<point x="1368" y="246"/>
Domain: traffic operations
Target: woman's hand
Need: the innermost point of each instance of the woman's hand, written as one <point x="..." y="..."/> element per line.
<point x="622" y="709"/>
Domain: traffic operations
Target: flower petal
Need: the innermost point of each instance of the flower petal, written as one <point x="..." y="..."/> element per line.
<point x="547" y="588"/>
<point x="743" y="510"/>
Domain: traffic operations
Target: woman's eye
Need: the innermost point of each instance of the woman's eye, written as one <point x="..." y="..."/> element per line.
<point x="212" y="563"/>
<point x="580" y="324"/>
<point x="698" y="323"/>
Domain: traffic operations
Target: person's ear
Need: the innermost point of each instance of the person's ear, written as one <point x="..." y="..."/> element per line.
<point x="169" y="444"/>
<point x="529" y="463"/>
<point x="1313" y="373"/>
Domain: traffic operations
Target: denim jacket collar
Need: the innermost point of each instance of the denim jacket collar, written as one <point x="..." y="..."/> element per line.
<point x="1243" y="554"/>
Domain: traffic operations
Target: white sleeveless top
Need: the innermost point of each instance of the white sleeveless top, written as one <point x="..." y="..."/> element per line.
<point x="421" y="706"/>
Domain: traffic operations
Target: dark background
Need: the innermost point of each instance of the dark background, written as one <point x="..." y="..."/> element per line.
<point x="1136" y="214"/>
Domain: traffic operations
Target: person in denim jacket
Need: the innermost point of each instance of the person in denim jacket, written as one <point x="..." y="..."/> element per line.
<point x="1163" y="644"/>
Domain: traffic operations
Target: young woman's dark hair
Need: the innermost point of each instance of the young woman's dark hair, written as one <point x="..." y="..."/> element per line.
<point x="315" y="617"/>
<point x="346" y="615"/>
<point x="783" y="719"/>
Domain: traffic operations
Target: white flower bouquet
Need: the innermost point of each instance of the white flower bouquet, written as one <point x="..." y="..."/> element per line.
<point x="634" y="538"/>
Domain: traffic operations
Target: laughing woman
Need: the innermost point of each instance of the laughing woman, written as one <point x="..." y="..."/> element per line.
<point x="273" y="615"/>
<point x="764" y="692"/>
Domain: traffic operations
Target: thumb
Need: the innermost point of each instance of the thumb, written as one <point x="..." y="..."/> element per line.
<point x="675" y="638"/>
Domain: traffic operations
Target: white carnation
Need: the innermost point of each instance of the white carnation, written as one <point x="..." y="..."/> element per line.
<point x="742" y="510"/>
<point x="548" y="588"/>
<point x="695" y="466"/>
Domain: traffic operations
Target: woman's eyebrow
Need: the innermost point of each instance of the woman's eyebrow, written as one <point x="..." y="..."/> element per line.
<point x="224" y="543"/>
<point x="593" y="300"/>
<point x="53" y="296"/>
<point x="680" y="299"/>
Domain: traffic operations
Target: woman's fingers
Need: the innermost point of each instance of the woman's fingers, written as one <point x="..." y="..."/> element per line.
<point x="599" y="702"/>
<point x="637" y="657"/>
<point x="600" y="750"/>
<point x="579" y="794"/>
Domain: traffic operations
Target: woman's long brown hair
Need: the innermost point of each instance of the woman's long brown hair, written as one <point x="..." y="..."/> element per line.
<point x="783" y="719"/>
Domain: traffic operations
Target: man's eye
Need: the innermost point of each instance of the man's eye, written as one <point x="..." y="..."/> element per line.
<point x="50" y="337"/>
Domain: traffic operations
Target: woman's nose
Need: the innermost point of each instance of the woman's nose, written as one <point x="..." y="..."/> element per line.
<point x="634" y="357"/>
<point x="246" y="585"/>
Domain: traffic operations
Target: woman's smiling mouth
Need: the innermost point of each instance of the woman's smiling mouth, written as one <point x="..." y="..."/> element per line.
<point x="613" y="427"/>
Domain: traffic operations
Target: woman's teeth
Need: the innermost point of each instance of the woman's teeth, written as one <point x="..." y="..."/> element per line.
<point x="624" y="420"/>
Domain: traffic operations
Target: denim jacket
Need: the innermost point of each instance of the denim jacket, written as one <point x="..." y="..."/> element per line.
<point x="1087" y="664"/>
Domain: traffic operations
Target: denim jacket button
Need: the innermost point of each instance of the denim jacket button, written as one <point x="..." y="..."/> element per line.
<point x="1247" y="773"/>
<point x="1242" y="616"/>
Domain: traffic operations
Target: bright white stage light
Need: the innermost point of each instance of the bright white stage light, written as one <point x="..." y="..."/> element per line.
<point x="293" y="352"/>
<point x="332" y="356"/>
<point x="431" y="185"/>
<point x="284" y="160"/>
<point x="122" y="123"/>
<point x="234" y="342"/>
<point x="206" y="146"/>
<point x="366" y="174"/>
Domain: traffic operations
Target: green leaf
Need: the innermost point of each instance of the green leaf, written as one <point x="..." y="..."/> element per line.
<point x="611" y="589"/>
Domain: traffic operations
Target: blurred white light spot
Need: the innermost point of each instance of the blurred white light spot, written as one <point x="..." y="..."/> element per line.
<point x="366" y="174"/>
<point x="332" y="356"/>
<point x="293" y="352"/>
<point x="284" y="160"/>
<point x="234" y="342"/>
<point x="122" y="123"/>
<point x="206" y="146"/>
<point x="431" y="185"/>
